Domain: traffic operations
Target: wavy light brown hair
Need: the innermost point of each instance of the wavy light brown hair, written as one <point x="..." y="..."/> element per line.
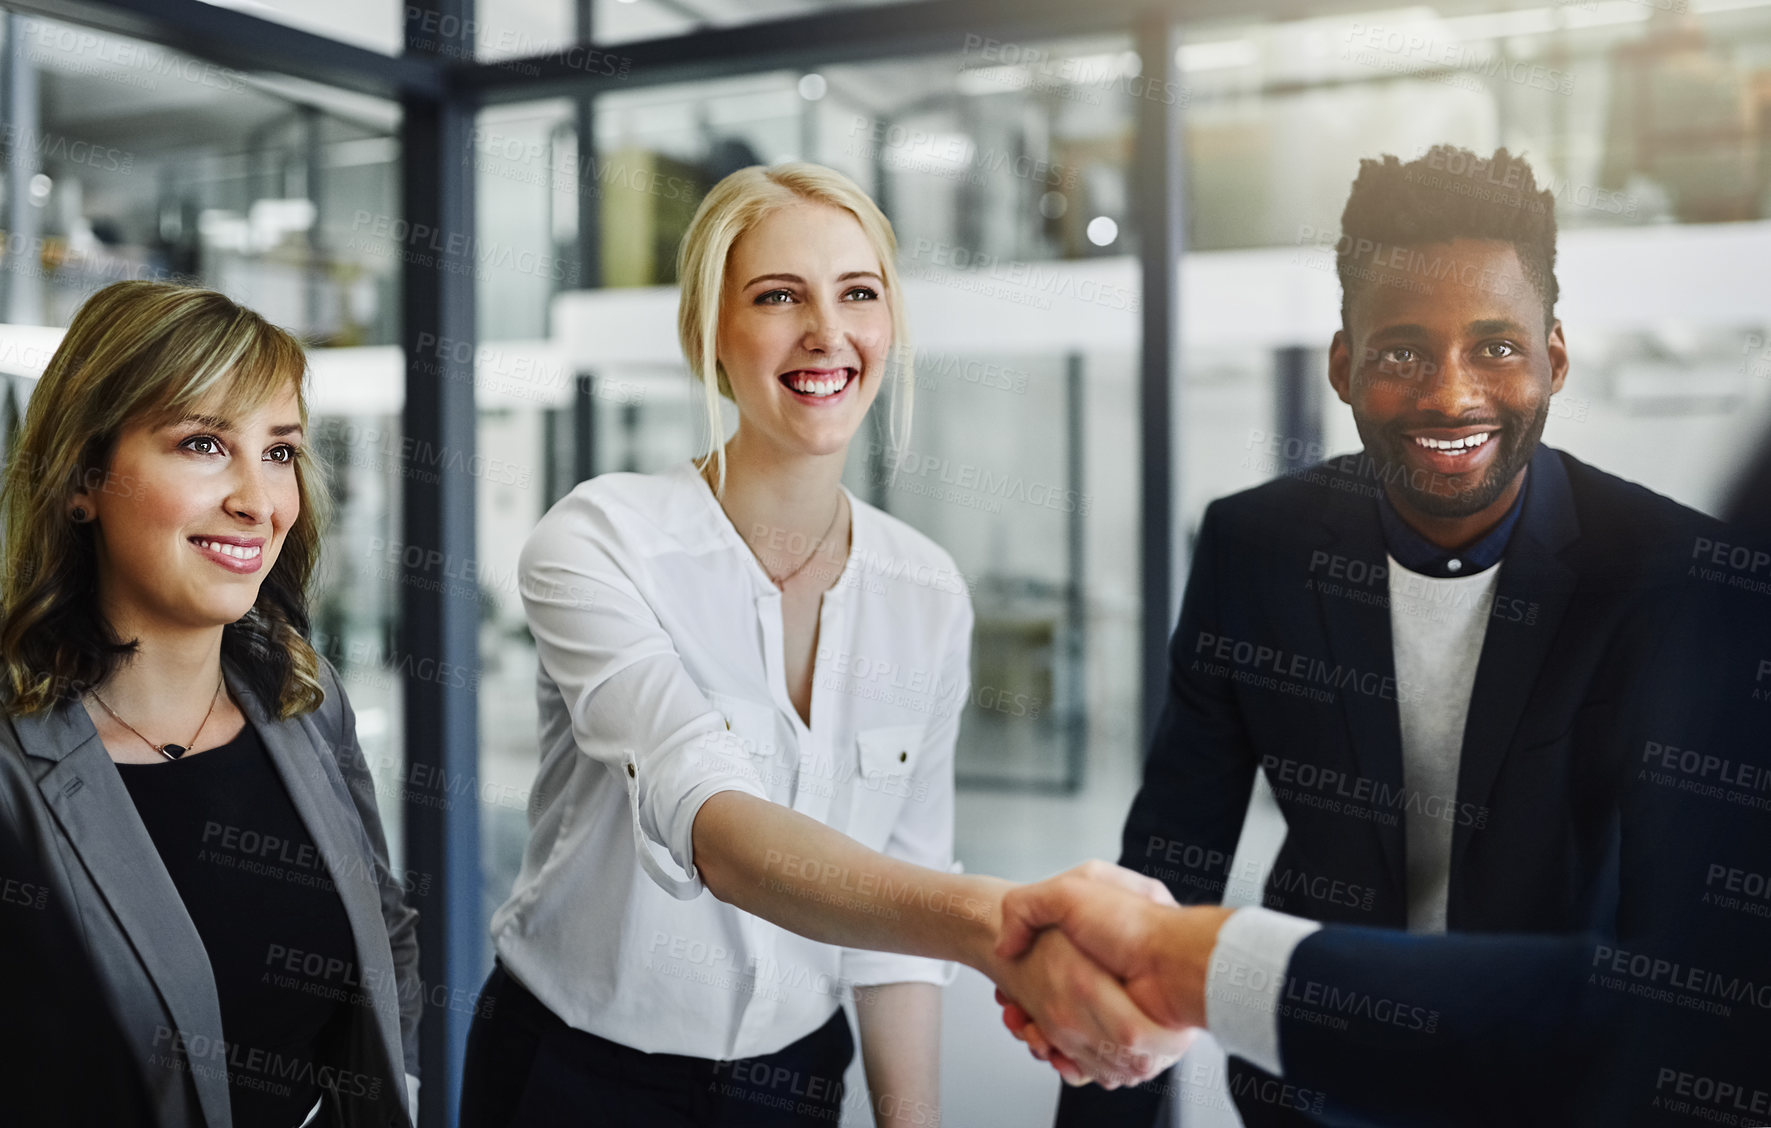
<point x="149" y="353"/>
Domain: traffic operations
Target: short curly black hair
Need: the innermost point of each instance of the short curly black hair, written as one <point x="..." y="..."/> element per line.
<point x="1448" y="193"/>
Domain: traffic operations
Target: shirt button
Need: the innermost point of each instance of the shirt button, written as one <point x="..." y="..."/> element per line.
<point x="630" y="771"/>
<point x="1454" y="565"/>
<point x="902" y="756"/>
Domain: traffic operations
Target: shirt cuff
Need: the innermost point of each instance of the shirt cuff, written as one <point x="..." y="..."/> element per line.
<point x="675" y="786"/>
<point x="1246" y="977"/>
<point x="412" y="1095"/>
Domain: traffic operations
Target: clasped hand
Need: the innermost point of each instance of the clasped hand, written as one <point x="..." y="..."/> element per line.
<point x="1102" y="974"/>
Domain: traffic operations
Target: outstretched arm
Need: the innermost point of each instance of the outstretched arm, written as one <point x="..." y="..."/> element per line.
<point x="800" y="874"/>
<point x="693" y="789"/>
<point x="1384" y="1024"/>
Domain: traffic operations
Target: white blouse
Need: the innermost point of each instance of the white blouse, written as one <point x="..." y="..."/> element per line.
<point x="661" y="683"/>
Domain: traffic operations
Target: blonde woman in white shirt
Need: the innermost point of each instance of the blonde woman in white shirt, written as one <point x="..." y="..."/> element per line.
<point x="750" y="684"/>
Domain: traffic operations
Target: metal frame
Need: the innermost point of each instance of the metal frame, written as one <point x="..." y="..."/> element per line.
<point x="1158" y="179"/>
<point x="857" y="34"/>
<point x="440" y="89"/>
<point x="18" y="97"/>
<point x="244" y="42"/>
<point x="440" y="616"/>
<point x="1297" y="415"/>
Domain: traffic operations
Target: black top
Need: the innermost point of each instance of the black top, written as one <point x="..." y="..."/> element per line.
<point x="278" y="940"/>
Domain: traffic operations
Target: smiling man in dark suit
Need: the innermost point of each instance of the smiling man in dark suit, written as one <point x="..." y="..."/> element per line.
<point x="1424" y="646"/>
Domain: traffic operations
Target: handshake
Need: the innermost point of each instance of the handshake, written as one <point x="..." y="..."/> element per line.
<point x="1102" y="974"/>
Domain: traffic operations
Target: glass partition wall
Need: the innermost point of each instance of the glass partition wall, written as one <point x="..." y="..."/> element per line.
<point x="126" y="160"/>
<point x="1007" y="169"/>
<point x="1017" y="460"/>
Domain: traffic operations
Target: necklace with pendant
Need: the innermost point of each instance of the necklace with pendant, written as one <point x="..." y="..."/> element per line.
<point x="170" y="751"/>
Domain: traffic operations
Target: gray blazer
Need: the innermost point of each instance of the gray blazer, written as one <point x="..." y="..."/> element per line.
<point x="66" y="799"/>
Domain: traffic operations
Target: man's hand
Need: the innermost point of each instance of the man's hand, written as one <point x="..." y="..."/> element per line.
<point x="1130" y="926"/>
<point x="1093" y="1029"/>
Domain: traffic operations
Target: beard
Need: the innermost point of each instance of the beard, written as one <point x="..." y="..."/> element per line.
<point x="1439" y="495"/>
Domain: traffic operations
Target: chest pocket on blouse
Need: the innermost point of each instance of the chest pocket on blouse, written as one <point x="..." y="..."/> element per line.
<point x="886" y="758"/>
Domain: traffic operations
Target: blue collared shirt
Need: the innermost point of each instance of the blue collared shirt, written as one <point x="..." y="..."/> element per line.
<point x="1419" y="555"/>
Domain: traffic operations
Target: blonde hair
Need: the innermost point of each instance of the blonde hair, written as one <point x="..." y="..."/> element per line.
<point x="735" y="205"/>
<point x="143" y="352"/>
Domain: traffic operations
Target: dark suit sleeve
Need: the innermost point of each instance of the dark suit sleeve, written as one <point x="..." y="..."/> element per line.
<point x="1386" y="1028"/>
<point x="340" y="723"/>
<point x="1664" y="1021"/>
<point x="1451" y="1029"/>
<point x="1188" y="813"/>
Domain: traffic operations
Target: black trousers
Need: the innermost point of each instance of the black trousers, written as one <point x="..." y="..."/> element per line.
<point x="526" y="1068"/>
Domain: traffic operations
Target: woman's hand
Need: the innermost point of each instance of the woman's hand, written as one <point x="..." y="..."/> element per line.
<point x="1069" y="1009"/>
<point x="1129" y="925"/>
<point x="1096" y="1030"/>
<point x="806" y="877"/>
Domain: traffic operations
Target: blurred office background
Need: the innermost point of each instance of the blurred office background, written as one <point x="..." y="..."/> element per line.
<point x="1011" y="168"/>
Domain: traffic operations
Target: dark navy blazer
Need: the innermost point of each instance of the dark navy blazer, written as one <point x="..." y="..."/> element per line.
<point x="1282" y="663"/>
<point x="1667" y="1021"/>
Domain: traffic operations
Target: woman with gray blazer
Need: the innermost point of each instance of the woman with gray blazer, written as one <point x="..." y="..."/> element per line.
<point x="180" y="761"/>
